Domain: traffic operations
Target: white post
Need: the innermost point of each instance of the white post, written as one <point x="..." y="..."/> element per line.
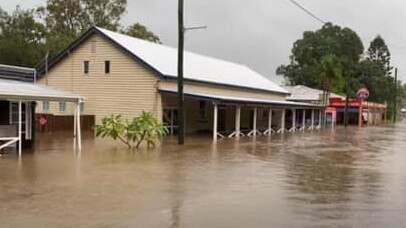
<point x="320" y="113"/>
<point x="282" y="130"/>
<point x="79" y="139"/>
<point x="75" y="139"/>
<point x="269" y="130"/>
<point x="19" y="129"/>
<point x="172" y="120"/>
<point x="215" y="122"/>
<point x="312" y="125"/>
<point x="254" y="122"/>
<point x="304" y="120"/>
<point x="293" y="129"/>
<point x="28" y="121"/>
<point x="238" y="121"/>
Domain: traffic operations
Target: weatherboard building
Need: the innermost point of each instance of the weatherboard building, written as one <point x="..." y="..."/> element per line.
<point x="118" y="74"/>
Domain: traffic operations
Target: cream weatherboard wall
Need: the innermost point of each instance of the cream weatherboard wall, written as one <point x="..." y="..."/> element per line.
<point x="129" y="89"/>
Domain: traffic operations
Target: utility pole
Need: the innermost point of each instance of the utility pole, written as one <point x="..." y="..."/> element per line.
<point x="395" y="96"/>
<point x="181" y="98"/>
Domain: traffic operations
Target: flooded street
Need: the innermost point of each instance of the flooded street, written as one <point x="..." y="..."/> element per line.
<point x="344" y="178"/>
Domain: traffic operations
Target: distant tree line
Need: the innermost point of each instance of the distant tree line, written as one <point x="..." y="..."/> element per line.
<point x="26" y="36"/>
<point x="333" y="59"/>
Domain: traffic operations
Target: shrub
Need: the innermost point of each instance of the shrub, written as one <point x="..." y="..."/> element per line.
<point x="144" y="128"/>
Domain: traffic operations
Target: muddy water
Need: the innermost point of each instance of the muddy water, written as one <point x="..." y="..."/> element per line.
<point x="343" y="178"/>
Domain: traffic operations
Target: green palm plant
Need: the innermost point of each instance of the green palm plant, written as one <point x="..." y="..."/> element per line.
<point x="331" y="74"/>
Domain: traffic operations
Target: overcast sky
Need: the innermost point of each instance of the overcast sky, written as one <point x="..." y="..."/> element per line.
<point x="260" y="33"/>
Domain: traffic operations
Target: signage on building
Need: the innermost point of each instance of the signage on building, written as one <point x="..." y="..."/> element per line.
<point x="363" y="93"/>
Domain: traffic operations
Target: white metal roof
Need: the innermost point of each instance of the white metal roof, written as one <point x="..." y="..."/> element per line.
<point x="304" y="93"/>
<point x="234" y="99"/>
<point x="16" y="90"/>
<point x="196" y="67"/>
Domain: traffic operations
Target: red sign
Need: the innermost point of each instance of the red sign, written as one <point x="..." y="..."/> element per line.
<point x="43" y="121"/>
<point x="363" y="93"/>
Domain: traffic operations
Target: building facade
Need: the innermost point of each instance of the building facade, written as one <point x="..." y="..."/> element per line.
<point x="118" y="74"/>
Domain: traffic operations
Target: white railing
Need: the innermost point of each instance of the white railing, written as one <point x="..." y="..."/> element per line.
<point x="8" y="141"/>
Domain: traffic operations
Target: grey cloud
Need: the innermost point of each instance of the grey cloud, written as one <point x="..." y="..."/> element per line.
<point x="260" y="33"/>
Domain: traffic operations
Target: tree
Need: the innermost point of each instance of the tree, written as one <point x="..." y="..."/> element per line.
<point x="79" y="15"/>
<point x="378" y="51"/>
<point x="375" y="73"/>
<point x="21" y="38"/>
<point x="308" y="52"/>
<point x="144" y="128"/>
<point x="67" y="19"/>
<point x="138" y="30"/>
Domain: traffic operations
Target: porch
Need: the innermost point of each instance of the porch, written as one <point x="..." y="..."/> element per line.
<point x="17" y="106"/>
<point x="232" y="117"/>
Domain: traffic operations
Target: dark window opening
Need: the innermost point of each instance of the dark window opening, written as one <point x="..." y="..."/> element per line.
<point x="86" y="67"/>
<point x="107" y="67"/>
<point x="202" y="110"/>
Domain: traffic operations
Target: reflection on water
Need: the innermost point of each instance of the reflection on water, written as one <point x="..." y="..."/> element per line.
<point x="344" y="178"/>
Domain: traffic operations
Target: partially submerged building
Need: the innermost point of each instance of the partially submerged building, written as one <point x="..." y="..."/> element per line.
<point x="359" y="112"/>
<point x="301" y="93"/>
<point x="18" y="97"/>
<point x="119" y="74"/>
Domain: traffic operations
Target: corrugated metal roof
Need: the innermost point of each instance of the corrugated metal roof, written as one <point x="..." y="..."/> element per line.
<point x="196" y="67"/>
<point x="304" y="93"/>
<point x="242" y="100"/>
<point x="16" y="90"/>
<point x="17" y="73"/>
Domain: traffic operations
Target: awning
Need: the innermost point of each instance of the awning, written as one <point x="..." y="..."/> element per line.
<point x="25" y="91"/>
<point x="240" y="100"/>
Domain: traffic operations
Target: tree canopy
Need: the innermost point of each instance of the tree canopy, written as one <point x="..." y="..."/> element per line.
<point x="52" y="27"/>
<point x="21" y="38"/>
<point x="332" y="56"/>
<point x="307" y="54"/>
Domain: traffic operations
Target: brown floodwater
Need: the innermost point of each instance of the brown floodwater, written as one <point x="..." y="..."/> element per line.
<point x="353" y="177"/>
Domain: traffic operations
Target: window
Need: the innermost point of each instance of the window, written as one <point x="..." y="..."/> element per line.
<point x="202" y="110"/>
<point x="62" y="107"/>
<point x="107" y="67"/>
<point x="45" y="106"/>
<point x="82" y="107"/>
<point x="86" y="67"/>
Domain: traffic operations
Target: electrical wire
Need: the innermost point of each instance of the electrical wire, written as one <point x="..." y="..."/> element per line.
<point x="307" y="11"/>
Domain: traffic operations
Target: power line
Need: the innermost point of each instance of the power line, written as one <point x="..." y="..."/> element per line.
<point x="307" y="11"/>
